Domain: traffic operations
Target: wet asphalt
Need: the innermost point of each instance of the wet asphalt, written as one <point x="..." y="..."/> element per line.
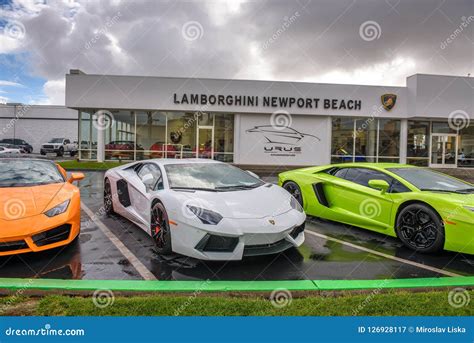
<point x="93" y="256"/>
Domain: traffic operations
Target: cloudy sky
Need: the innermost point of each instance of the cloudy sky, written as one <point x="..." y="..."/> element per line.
<point x="332" y="41"/>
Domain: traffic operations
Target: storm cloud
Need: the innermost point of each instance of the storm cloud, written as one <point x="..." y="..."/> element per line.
<point x="343" y="41"/>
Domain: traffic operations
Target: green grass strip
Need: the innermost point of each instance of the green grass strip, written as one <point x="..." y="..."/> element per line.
<point x="226" y="286"/>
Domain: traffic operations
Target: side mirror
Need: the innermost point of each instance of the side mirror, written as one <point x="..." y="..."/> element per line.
<point x="148" y="180"/>
<point x="381" y="185"/>
<point x="75" y="177"/>
<point x="253" y="174"/>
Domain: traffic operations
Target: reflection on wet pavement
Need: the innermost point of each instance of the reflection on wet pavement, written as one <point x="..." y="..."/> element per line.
<point x="93" y="256"/>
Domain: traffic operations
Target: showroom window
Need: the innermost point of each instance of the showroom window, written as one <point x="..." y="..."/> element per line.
<point x="137" y="135"/>
<point x="418" y="143"/>
<point x="466" y="147"/>
<point x="365" y="140"/>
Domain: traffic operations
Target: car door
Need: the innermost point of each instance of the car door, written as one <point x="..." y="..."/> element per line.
<point x="358" y="203"/>
<point x="148" y="179"/>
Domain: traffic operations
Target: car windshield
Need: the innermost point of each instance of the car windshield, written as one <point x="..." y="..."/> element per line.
<point x="209" y="176"/>
<point x="428" y="180"/>
<point x="56" y="140"/>
<point x="26" y="173"/>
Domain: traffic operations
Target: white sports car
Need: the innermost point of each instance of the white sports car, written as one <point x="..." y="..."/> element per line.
<point x="205" y="209"/>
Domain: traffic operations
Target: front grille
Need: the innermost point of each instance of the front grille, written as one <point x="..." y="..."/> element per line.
<point x="296" y="231"/>
<point x="266" y="249"/>
<point x="214" y="243"/>
<point x="48" y="146"/>
<point x="58" y="234"/>
<point x="12" y="246"/>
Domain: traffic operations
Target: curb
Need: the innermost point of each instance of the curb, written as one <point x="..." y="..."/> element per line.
<point x="16" y="284"/>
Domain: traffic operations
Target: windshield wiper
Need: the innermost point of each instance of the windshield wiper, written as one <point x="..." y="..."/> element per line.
<point x="459" y="191"/>
<point x="240" y="186"/>
<point x="194" y="189"/>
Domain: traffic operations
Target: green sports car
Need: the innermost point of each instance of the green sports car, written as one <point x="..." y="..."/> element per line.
<point x="425" y="209"/>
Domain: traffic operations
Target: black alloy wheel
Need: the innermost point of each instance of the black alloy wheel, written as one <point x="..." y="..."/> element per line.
<point x="294" y="190"/>
<point x="420" y="228"/>
<point x="160" y="229"/>
<point x="108" y="204"/>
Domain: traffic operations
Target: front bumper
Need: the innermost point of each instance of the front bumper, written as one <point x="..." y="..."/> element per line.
<point x="233" y="239"/>
<point x="459" y="234"/>
<point x="38" y="233"/>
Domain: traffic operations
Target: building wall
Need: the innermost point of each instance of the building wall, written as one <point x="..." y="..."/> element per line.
<point x="37" y="124"/>
<point x="259" y="142"/>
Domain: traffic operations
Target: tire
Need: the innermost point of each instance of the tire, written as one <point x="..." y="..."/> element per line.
<point x="72" y="153"/>
<point x="293" y="188"/>
<point x="42" y="153"/>
<point x="160" y="229"/>
<point x="108" y="203"/>
<point x="60" y="152"/>
<point x="420" y="228"/>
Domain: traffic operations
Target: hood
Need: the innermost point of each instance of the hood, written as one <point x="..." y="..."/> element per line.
<point x="260" y="202"/>
<point x="22" y="202"/>
<point x="460" y="199"/>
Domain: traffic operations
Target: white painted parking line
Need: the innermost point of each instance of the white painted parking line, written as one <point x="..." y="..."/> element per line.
<point x="134" y="261"/>
<point x="374" y="252"/>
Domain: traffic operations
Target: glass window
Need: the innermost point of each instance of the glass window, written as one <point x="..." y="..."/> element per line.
<point x="87" y="137"/>
<point x="27" y="173"/>
<point x="224" y="137"/>
<point x="442" y="127"/>
<point x="210" y="176"/>
<point x="389" y="140"/>
<point x="418" y="142"/>
<point x="342" y="139"/>
<point x="466" y="147"/>
<point x="362" y="176"/>
<point x="151" y="135"/>
<point x="155" y="172"/>
<point x="366" y="140"/>
<point x="182" y="134"/>
<point x="120" y="136"/>
<point x="426" y="179"/>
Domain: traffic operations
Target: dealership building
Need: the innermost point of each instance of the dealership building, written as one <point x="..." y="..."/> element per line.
<point x="429" y="122"/>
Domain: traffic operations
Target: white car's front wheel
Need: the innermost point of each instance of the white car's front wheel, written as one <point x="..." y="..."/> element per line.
<point x="160" y="229"/>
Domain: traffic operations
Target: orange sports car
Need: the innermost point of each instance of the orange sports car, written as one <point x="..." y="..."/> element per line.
<point x="40" y="208"/>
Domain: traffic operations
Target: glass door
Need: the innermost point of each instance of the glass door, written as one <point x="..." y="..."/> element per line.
<point x="443" y="150"/>
<point x="205" y="143"/>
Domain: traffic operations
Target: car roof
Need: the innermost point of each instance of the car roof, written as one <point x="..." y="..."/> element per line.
<point x="167" y="161"/>
<point x="384" y="165"/>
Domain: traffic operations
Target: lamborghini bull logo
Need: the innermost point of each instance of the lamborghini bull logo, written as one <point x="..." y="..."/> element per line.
<point x="388" y="101"/>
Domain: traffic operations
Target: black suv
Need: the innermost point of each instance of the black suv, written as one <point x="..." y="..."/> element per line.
<point x="18" y="142"/>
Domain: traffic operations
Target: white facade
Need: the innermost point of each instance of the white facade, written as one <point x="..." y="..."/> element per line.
<point x="37" y="124"/>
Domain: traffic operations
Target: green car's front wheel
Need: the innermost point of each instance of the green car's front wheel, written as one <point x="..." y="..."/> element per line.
<point x="294" y="190"/>
<point x="420" y="228"/>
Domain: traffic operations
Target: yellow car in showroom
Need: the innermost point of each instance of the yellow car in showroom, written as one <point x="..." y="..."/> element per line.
<point x="40" y="208"/>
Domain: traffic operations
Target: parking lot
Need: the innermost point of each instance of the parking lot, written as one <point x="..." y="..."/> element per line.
<point x="111" y="247"/>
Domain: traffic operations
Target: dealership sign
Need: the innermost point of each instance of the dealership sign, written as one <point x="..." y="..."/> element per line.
<point x="266" y="101"/>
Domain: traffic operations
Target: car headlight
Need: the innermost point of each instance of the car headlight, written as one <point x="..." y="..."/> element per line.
<point x="206" y="216"/>
<point x="295" y="204"/>
<point x="58" y="209"/>
<point x="470" y="208"/>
